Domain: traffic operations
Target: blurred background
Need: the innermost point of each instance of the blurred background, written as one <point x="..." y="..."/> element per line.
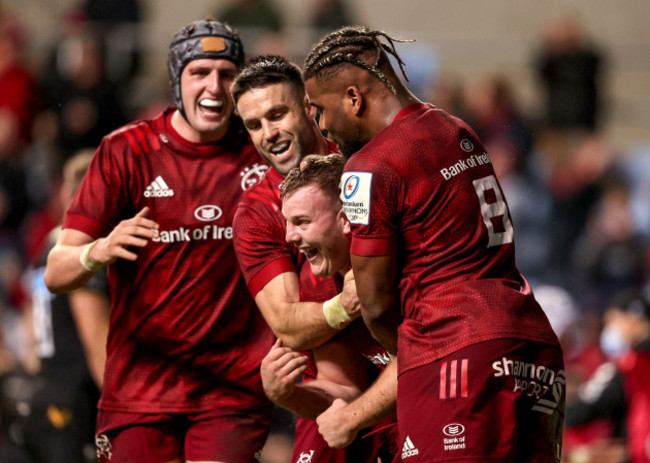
<point x="559" y="92"/>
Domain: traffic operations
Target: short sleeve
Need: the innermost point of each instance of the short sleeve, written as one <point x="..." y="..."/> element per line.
<point x="99" y="202"/>
<point x="370" y="197"/>
<point x="260" y="244"/>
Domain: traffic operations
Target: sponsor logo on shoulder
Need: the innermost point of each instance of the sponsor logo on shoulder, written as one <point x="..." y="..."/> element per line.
<point x="455" y="439"/>
<point x="475" y="160"/>
<point x="467" y="145"/>
<point x="408" y="449"/>
<point x="158" y="189"/>
<point x="252" y="175"/>
<point x="355" y="195"/>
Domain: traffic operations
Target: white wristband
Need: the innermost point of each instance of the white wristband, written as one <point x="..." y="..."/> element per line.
<point x="335" y="314"/>
<point x="88" y="262"/>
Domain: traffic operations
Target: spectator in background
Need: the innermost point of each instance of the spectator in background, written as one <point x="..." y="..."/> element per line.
<point x="492" y="111"/>
<point x="262" y="14"/>
<point x="619" y="389"/>
<point x="579" y="332"/>
<point x="18" y="97"/>
<point x="610" y="255"/>
<point x="261" y="20"/>
<point x="117" y="23"/>
<point x="327" y="15"/>
<point x="570" y="69"/>
<point x="85" y="103"/>
<point x="446" y="92"/>
<point x="17" y="110"/>
<point x="69" y="334"/>
<point x="574" y="170"/>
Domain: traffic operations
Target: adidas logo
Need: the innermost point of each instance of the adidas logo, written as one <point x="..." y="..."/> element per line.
<point x="408" y="450"/>
<point x="158" y="189"/>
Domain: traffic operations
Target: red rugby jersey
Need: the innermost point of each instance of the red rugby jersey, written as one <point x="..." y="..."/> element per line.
<point x="356" y="336"/>
<point x="425" y="187"/>
<point x="185" y="334"/>
<point x="260" y="233"/>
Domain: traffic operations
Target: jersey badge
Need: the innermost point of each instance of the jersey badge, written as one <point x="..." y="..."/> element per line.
<point x="467" y="145"/>
<point x="454" y="438"/>
<point x="355" y="195"/>
<point x="408" y="449"/>
<point x="158" y="189"/>
<point x="103" y="446"/>
<point x="208" y="213"/>
<point x="252" y="175"/>
<point x="305" y="457"/>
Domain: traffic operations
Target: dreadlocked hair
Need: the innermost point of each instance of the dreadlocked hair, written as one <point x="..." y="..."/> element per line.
<point x="345" y="46"/>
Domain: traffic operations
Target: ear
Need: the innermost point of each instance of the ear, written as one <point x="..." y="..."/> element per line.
<point x="354" y="101"/>
<point x="309" y="109"/>
<point x="344" y="221"/>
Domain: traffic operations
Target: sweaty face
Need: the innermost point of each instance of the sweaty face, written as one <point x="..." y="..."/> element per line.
<point x="205" y="85"/>
<point x="280" y="124"/>
<point x="340" y="126"/>
<point x="317" y="226"/>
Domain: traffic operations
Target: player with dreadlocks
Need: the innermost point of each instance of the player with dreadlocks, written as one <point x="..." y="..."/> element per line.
<point x="480" y="369"/>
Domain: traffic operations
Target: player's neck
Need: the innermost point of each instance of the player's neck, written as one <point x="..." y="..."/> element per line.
<point x="387" y="108"/>
<point x="317" y="144"/>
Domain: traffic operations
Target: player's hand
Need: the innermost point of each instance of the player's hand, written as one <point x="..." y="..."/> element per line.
<point x="280" y="369"/>
<point x="133" y="232"/>
<point x="349" y="298"/>
<point x="334" y="426"/>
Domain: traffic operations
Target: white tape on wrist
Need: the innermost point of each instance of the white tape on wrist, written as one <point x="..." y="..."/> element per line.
<point x="88" y="262"/>
<point x="335" y="314"/>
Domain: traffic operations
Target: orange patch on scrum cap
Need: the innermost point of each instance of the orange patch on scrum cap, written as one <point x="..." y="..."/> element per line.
<point x="213" y="44"/>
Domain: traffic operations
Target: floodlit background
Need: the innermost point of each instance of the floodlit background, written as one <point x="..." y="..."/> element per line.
<point x="559" y="92"/>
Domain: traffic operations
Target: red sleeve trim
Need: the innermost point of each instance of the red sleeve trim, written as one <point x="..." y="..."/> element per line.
<point x="371" y="247"/>
<point x="270" y="271"/>
<point x="84" y="224"/>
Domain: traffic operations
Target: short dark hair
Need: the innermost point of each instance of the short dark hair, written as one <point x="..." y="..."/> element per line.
<point x="264" y="70"/>
<point x="323" y="171"/>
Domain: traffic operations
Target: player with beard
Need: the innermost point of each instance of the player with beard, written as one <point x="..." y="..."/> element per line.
<point x="270" y="97"/>
<point x="186" y="341"/>
<point x="480" y="369"/>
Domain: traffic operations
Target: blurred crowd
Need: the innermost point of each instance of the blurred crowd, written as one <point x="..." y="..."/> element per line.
<point x="578" y="203"/>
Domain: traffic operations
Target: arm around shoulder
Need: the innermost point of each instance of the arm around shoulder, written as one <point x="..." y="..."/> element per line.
<point x="300" y="325"/>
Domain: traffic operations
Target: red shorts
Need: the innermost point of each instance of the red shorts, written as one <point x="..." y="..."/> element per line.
<point x="310" y="447"/>
<point x="500" y="400"/>
<point x="230" y="434"/>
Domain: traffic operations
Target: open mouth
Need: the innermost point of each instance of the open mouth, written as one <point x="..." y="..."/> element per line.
<point x="211" y="106"/>
<point x="280" y="148"/>
<point x="309" y="253"/>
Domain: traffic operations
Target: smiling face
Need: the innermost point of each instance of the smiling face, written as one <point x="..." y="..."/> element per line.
<point x="344" y="130"/>
<point x="207" y="102"/>
<point x="317" y="226"/>
<point x="280" y="122"/>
